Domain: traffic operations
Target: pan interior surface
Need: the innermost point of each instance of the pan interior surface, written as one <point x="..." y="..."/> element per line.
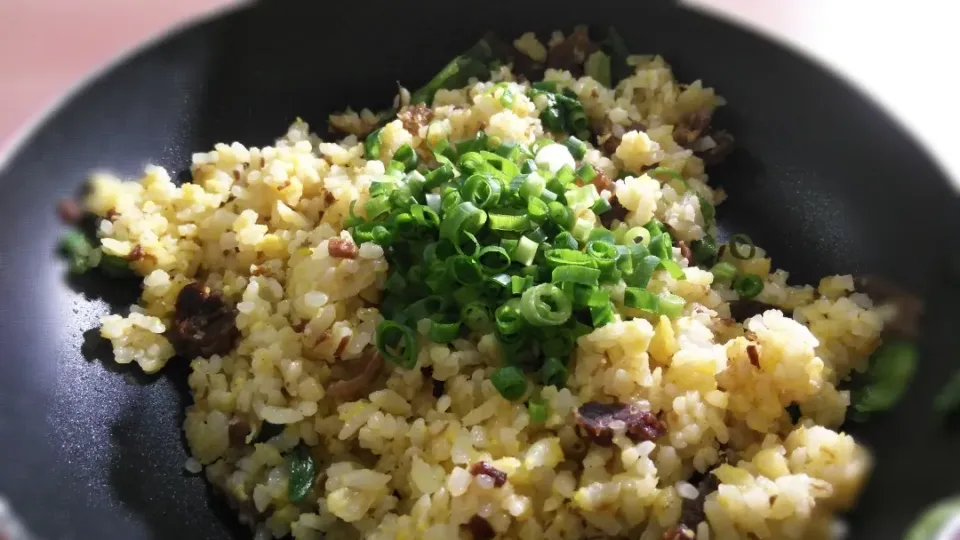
<point x="822" y="179"/>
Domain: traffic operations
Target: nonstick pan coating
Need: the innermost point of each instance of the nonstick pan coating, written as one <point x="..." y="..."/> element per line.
<point x="823" y="179"/>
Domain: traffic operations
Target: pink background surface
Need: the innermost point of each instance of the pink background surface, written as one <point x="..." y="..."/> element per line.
<point x="895" y="51"/>
<point x="47" y="46"/>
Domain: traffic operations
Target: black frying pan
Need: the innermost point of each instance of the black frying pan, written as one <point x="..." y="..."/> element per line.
<point x="823" y="179"/>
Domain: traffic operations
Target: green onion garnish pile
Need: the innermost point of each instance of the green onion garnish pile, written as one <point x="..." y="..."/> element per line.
<point x="485" y="238"/>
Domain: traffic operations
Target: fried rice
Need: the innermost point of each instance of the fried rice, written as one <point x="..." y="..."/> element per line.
<point x="397" y="452"/>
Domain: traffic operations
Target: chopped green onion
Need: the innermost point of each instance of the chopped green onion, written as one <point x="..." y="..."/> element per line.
<point x="586" y="172"/>
<point x="576" y="274"/>
<point x="632" y="235"/>
<point x="661" y="246"/>
<point x="545" y="305"/>
<point x="425" y="216"/>
<point x="466" y="295"/>
<point x="525" y="252"/>
<point x="508" y="318"/>
<point x="397" y="344"/>
<point x="561" y="215"/>
<point x="443" y="332"/>
<point x="654" y="227"/>
<point x="467" y="244"/>
<point x="671" y="173"/>
<point x="672" y="268"/>
<point x="671" y="305"/>
<point x="508" y="222"/>
<point x="493" y="259"/>
<point x="748" y="285"/>
<point x="476" y="315"/>
<point x="510" y="382"/>
<point x="465" y="269"/>
<point x="426" y="307"/>
<point x="601" y="309"/>
<point x="482" y="190"/>
<point x="537" y="410"/>
<point x="565" y="240"/>
<point x="371" y="145"/>
<point x="724" y="271"/>
<point x="603" y="252"/>
<point x="638" y="298"/>
<point x="537" y="235"/>
<point x="465" y="218"/>
<point x="577" y="148"/>
<point x="538" y="210"/>
<point x="558" y="257"/>
<point x="601" y="206"/>
<point x="553" y="372"/>
<point x="510" y="246"/>
<point x="518" y="284"/>
<point x="704" y="250"/>
<point x="582" y="197"/>
<point x="738" y="240"/>
<point x="395" y="283"/>
<point x="407" y="156"/>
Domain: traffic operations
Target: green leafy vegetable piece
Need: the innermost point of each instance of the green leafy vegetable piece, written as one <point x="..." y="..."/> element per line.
<point x="474" y="62"/>
<point x="930" y="524"/>
<point x="891" y="368"/>
<point x="80" y="252"/>
<point x="598" y="67"/>
<point x="302" y="472"/>
<point x="948" y="400"/>
<point x="616" y="49"/>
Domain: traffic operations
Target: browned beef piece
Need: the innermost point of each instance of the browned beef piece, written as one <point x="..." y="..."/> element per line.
<point x="571" y="53"/>
<point x="598" y="421"/>
<point x="203" y="324"/>
<point x="482" y="467"/>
